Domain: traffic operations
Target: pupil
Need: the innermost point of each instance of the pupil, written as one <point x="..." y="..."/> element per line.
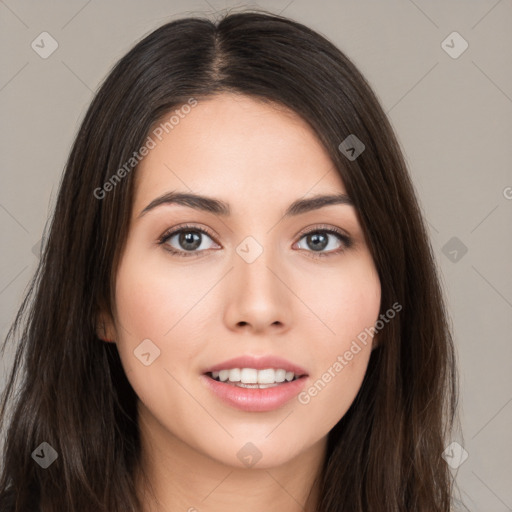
<point x="315" y="238"/>
<point x="190" y="240"/>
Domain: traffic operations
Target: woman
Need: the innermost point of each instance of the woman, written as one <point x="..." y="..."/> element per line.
<point x="237" y="304"/>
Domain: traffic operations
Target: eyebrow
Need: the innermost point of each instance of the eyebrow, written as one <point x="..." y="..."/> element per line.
<point x="218" y="207"/>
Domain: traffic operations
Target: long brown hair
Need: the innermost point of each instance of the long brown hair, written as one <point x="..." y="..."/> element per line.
<point x="385" y="453"/>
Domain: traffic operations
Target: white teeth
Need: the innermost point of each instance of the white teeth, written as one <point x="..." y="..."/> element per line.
<point x="253" y="376"/>
<point x="234" y="375"/>
<point x="247" y="375"/>
<point x="266" y="376"/>
<point x="223" y="375"/>
<point x="280" y="375"/>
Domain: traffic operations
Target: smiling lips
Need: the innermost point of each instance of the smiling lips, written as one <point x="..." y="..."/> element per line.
<point x="255" y="384"/>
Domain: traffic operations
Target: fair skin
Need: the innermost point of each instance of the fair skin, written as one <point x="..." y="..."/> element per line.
<point x="213" y="305"/>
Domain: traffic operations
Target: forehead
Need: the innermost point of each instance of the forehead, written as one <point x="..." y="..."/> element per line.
<point x="238" y="148"/>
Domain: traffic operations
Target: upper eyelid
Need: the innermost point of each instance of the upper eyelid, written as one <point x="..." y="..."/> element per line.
<point x="305" y="231"/>
<point x="173" y="231"/>
<point x="324" y="227"/>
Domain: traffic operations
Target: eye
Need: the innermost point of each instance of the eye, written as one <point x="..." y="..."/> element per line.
<point x="318" y="239"/>
<point x="188" y="238"/>
<point x="190" y="241"/>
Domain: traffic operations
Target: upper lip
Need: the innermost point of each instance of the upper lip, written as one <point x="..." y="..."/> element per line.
<point x="259" y="363"/>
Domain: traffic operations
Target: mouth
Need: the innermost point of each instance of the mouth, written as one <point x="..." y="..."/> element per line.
<point x="251" y="378"/>
<point x="255" y="383"/>
<point x="254" y="396"/>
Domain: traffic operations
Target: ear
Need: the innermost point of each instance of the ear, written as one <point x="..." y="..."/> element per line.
<point x="105" y="329"/>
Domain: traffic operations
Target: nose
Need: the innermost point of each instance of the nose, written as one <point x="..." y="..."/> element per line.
<point x="258" y="298"/>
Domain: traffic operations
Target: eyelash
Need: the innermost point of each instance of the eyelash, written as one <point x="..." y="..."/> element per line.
<point x="347" y="241"/>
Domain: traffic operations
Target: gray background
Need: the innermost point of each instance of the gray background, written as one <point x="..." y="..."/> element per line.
<point x="453" y="118"/>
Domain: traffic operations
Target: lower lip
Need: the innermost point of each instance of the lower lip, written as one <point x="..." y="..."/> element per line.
<point x="255" y="399"/>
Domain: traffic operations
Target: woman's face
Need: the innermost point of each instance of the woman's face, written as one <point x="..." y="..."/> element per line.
<point x="255" y="285"/>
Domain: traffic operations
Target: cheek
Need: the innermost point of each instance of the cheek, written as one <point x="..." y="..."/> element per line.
<point x="341" y="300"/>
<point x="154" y="298"/>
<point x="154" y="308"/>
<point x="348" y="309"/>
<point x="166" y="305"/>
